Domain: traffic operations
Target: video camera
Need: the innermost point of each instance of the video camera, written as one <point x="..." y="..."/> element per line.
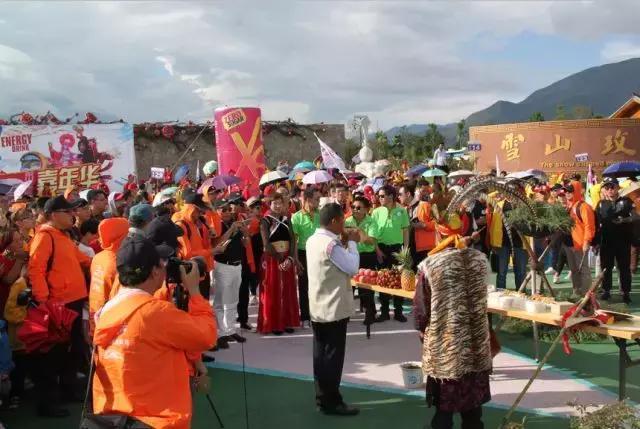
<point x="173" y="276"/>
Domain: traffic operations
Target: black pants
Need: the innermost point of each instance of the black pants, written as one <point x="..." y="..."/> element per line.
<point x="205" y="286"/>
<point x="21" y="360"/>
<point x="388" y="262"/>
<point x="471" y="419"/>
<point x="329" y="341"/>
<point x="303" y="287"/>
<point x="45" y="370"/>
<point x="77" y="360"/>
<point x="418" y="257"/>
<point x="248" y="278"/>
<point x="370" y="262"/>
<point x="559" y="257"/>
<point x="618" y="251"/>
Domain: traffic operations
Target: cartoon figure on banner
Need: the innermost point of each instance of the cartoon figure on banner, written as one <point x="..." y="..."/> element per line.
<point x="64" y="157"/>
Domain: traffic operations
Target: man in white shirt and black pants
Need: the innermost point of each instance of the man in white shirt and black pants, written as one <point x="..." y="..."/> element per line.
<point x="332" y="259"/>
<point x="440" y="157"/>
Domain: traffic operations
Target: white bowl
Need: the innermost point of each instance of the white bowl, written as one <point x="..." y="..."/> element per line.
<point x="506" y="302"/>
<point x="535" y="307"/>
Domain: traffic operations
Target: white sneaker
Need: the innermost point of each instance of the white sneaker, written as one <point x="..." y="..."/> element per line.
<point x="550" y="270"/>
<point x="568" y="276"/>
<point x="556" y="278"/>
<point x="253" y="300"/>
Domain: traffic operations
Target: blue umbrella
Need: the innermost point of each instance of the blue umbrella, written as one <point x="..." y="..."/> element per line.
<point x="180" y="173"/>
<point x="223" y="181"/>
<point x="623" y="169"/>
<point x="304" y="165"/>
<point x="434" y="172"/>
<point x="416" y="170"/>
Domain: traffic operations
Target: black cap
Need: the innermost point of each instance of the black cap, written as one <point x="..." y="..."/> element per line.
<point x="569" y="189"/>
<point x="609" y="181"/>
<point x="556" y="187"/>
<point x="59" y="203"/>
<point x="136" y="258"/>
<point x="80" y="202"/>
<point x="191" y="197"/>
<point x="222" y="202"/>
<point x="236" y="198"/>
<point x="162" y="231"/>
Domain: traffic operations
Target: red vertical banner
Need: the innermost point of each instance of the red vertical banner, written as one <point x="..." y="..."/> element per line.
<point x="239" y="144"/>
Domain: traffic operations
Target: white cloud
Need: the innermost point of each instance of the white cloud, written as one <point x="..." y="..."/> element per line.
<point x="619" y="51"/>
<point x="313" y="61"/>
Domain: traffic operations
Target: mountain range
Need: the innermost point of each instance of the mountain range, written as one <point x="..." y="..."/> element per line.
<point x="601" y="89"/>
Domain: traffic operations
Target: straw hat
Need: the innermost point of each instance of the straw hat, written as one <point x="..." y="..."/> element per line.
<point x="631" y="190"/>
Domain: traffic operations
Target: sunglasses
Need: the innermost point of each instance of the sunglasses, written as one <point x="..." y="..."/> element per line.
<point x="357" y="208"/>
<point x="382" y="195"/>
<point x="63" y="211"/>
<point x="225" y="209"/>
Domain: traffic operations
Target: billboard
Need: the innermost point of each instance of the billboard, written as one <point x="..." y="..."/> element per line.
<point x="58" y="156"/>
<point x="556" y="146"/>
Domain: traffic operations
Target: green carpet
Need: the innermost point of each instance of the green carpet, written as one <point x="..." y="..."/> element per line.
<point x="277" y="403"/>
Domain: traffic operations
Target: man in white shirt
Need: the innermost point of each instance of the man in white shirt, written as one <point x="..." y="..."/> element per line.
<point x="440" y="157"/>
<point x="332" y="259"/>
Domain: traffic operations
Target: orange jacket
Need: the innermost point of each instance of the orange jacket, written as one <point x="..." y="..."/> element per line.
<point x="195" y="241"/>
<point x="578" y="195"/>
<point x="103" y="267"/>
<point x="584" y="228"/>
<point x="65" y="282"/>
<point x="425" y="238"/>
<point x="142" y="368"/>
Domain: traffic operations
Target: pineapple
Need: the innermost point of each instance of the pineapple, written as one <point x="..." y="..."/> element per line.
<point x="405" y="265"/>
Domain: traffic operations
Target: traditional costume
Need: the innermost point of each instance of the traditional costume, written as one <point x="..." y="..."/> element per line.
<point x="450" y="308"/>
<point x="278" y="308"/>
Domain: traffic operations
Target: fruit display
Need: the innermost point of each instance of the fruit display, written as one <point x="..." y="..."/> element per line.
<point x="405" y="264"/>
<point x="382" y="278"/>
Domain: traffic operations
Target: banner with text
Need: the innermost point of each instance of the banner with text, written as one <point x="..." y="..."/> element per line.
<point x="59" y="156"/>
<point x="239" y="144"/>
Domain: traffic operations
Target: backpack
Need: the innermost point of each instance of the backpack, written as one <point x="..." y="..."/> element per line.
<point x="597" y="235"/>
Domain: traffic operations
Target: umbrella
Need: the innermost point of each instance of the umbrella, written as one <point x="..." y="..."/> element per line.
<point x="416" y="170"/>
<point x="46" y="325"/>
<point x="297" y="174"/>
<point x="317" y="176"/>
<point x="224" y="181"/>
<point x="461" y="174"/>
<point x="272" y="177"/>
<point x="519" y="175"/>
<point x="304" y="165"/>
<point x="623" y="169"/>
<point x="180" y="173"/>
<point x="538" y="174"/>
<point x="21" y="190"/>
<point x="434" y="172"/>
<point x="210" y="167"/>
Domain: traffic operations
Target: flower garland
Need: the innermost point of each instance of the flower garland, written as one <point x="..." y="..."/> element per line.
<point x="26" y="118"/>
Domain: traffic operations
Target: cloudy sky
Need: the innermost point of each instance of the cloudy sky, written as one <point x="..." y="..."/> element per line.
<point x="400" y="63"/>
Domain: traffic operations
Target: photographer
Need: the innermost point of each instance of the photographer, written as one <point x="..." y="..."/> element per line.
<point x="142" y="342"/>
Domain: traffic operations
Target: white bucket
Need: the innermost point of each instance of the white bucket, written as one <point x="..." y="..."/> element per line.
<point x="412" y="374"/>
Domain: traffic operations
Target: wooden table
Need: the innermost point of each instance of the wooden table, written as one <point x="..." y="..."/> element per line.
<point x="622" y="338"/>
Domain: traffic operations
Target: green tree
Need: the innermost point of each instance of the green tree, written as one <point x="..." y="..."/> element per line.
<point x="536" y="117"/>
<point x="433" y="139"/>
<point x="561" y="112"/>
<point x="462" y="133"/>
<point x="582" y="112"/>
<point x="381" y="146"/>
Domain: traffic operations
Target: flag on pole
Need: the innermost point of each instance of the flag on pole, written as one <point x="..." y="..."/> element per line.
<point x="497" y="166"/>
<point x="198" y="172"/>
<point x="330" y="159"/>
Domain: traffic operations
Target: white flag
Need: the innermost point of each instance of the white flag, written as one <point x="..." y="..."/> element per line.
<point x="330" y="159"/>
<point x="497" y="166"/>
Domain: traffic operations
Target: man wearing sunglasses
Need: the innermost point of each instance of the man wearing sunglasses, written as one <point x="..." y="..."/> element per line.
<point x="613" y="214"/>
<point x="392" y="233"/>
<point x="56" y="273"/>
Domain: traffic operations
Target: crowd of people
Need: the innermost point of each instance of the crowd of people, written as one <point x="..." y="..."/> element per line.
<point x="89" y="250"/>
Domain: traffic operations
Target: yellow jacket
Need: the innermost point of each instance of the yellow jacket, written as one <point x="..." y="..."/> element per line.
<point x="14" y="313"/>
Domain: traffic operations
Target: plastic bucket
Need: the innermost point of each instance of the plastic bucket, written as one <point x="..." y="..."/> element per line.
<point x="412" y="374"/>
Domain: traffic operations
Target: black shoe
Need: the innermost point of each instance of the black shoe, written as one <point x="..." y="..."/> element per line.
<point x="289" y="330"/>
<point x="54" y="412"/>
<point x="369" y="320"/>
<point x="246" y="327"/>
<point x="237" y="338"/>
<point x="626" y="298"/>
<point x="605" y="295"/>
<point x="400" y="317"/>
<point x="277" y="333"/>
<point x="383" y="318"/>
<point x="206" y="358"/>
<point x="340" y="410"/>
<point x="223" y="343"/>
